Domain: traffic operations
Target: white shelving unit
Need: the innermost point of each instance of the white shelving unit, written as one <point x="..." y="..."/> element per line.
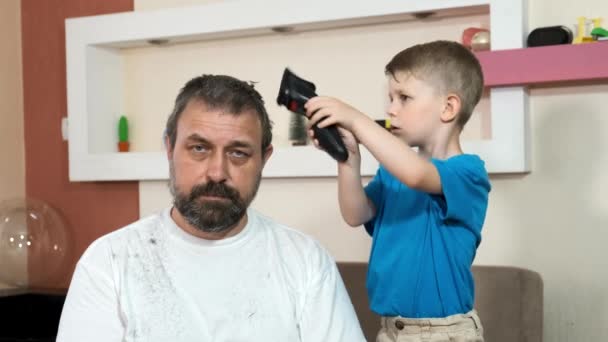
<point x="96" y="87"/>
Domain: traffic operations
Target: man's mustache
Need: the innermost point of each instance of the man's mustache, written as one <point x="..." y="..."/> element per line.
<point x="215" y="190"/>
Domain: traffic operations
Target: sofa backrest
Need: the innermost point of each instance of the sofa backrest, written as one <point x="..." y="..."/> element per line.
<point x="509" y="301"/>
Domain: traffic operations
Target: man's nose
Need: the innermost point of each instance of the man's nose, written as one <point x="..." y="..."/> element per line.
<point x="217" y="167"/>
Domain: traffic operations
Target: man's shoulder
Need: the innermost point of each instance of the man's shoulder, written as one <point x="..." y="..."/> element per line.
<point x="287" y="235"/>
<point x="303" y="258"/>
<point x="269" y="224"/>
<point x="123" y="236"/>
<point x="145" y="224"/>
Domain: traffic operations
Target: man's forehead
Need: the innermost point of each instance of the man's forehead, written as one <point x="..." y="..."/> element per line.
<point x="211" y="122"/>
<point x="199" y="107"/>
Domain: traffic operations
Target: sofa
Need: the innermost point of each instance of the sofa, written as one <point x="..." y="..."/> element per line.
<point x="509" y="301"/>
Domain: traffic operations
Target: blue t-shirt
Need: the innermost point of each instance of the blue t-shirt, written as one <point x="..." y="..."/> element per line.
<point x="424" y="245"/>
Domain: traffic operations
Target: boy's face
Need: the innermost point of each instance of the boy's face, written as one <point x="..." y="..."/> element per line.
<point x="414" y="109"/>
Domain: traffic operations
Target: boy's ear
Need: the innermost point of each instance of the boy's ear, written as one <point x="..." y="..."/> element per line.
<point x="451" y="109"/>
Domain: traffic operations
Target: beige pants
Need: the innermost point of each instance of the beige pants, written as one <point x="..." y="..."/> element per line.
<point x="456" y="328"/>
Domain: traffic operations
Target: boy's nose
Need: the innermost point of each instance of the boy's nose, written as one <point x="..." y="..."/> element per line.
<point x="391" y="109"/>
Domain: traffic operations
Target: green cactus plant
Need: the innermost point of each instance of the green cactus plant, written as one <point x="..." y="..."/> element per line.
<point x="123" y="134"/>
<point x="123" y="129"/>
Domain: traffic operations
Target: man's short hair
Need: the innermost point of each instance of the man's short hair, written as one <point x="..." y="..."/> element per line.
<point x="220" y="92"/>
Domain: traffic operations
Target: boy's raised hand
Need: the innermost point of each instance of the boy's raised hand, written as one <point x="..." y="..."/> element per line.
<point x="350" y="142"/>
<point x="327" y="111"/>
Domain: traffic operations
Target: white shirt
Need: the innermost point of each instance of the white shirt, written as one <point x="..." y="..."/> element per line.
<point x="152" y="281"/>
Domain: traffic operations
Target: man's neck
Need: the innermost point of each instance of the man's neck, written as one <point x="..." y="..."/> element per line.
<point x="188" y="228"/>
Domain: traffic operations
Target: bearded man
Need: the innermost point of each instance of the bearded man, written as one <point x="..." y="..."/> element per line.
<point x="210" y="268"/>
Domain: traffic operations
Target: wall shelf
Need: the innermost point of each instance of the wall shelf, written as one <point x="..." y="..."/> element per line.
<point x="545" y="64"/>
<point x="95" y="76"/>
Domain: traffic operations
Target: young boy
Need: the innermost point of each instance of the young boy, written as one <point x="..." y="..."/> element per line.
<point x="424" y="209"/>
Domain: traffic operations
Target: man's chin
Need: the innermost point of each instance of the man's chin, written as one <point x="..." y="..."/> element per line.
<point x="217" y="222"/>
<point x="214" y="226"/>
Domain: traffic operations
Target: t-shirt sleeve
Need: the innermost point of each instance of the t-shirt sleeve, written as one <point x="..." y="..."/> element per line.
<point x="328" y="313"/>
<point x="374" y="191"/>
<point x="90" y="312"/>
<point x="465" y="186"/>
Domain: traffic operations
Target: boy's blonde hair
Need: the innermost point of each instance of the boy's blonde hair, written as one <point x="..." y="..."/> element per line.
<point x="447" y="65"/>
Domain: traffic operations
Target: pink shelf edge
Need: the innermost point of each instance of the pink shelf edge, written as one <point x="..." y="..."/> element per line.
<point x="545" y="64"/>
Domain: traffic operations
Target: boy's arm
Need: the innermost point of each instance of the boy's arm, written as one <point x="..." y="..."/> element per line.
<point x="397" y="157"/>
<point x="355" y="206"/>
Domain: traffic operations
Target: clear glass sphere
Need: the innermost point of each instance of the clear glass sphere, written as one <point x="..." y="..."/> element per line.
<point x="35" y="244"/>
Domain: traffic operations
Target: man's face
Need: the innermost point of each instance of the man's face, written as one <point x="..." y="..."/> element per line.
<point x="216" y="166"/>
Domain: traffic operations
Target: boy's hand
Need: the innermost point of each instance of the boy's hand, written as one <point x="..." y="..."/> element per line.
<point x="350" y="142"/>
<point x="327" y="111"/>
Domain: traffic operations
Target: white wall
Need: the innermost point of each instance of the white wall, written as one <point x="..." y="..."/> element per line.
<point x="553" y="220"/>
<point x="12" y="155"/>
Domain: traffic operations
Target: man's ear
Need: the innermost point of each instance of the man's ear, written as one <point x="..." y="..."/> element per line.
<point x="266" y="154"/>
<point x="168" y="148"/>
<point x="451" y="109"/>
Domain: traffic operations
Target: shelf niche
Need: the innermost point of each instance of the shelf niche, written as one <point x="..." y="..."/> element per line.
<point x="97" y="83"/>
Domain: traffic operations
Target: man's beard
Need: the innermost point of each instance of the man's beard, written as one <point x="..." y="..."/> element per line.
<point x="212" y="216"/>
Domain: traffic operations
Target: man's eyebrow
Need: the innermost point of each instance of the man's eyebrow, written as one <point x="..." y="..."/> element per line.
<point x="240" y="143"/>
<point x="195" y="137"/>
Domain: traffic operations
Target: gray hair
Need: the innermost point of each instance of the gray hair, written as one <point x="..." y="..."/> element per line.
<point x="220" y="92"/>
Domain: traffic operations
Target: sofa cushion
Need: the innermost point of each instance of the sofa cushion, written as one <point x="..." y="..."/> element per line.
<point x="509" y="301"/>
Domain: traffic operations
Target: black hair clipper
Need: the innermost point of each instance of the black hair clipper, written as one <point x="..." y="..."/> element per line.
<point x="293" y="94"/>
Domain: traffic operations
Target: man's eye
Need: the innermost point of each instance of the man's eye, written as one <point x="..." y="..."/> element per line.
<point x="239" y="154"/>
<point x="403" y="98"/>
<point x="198" y="148"/>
